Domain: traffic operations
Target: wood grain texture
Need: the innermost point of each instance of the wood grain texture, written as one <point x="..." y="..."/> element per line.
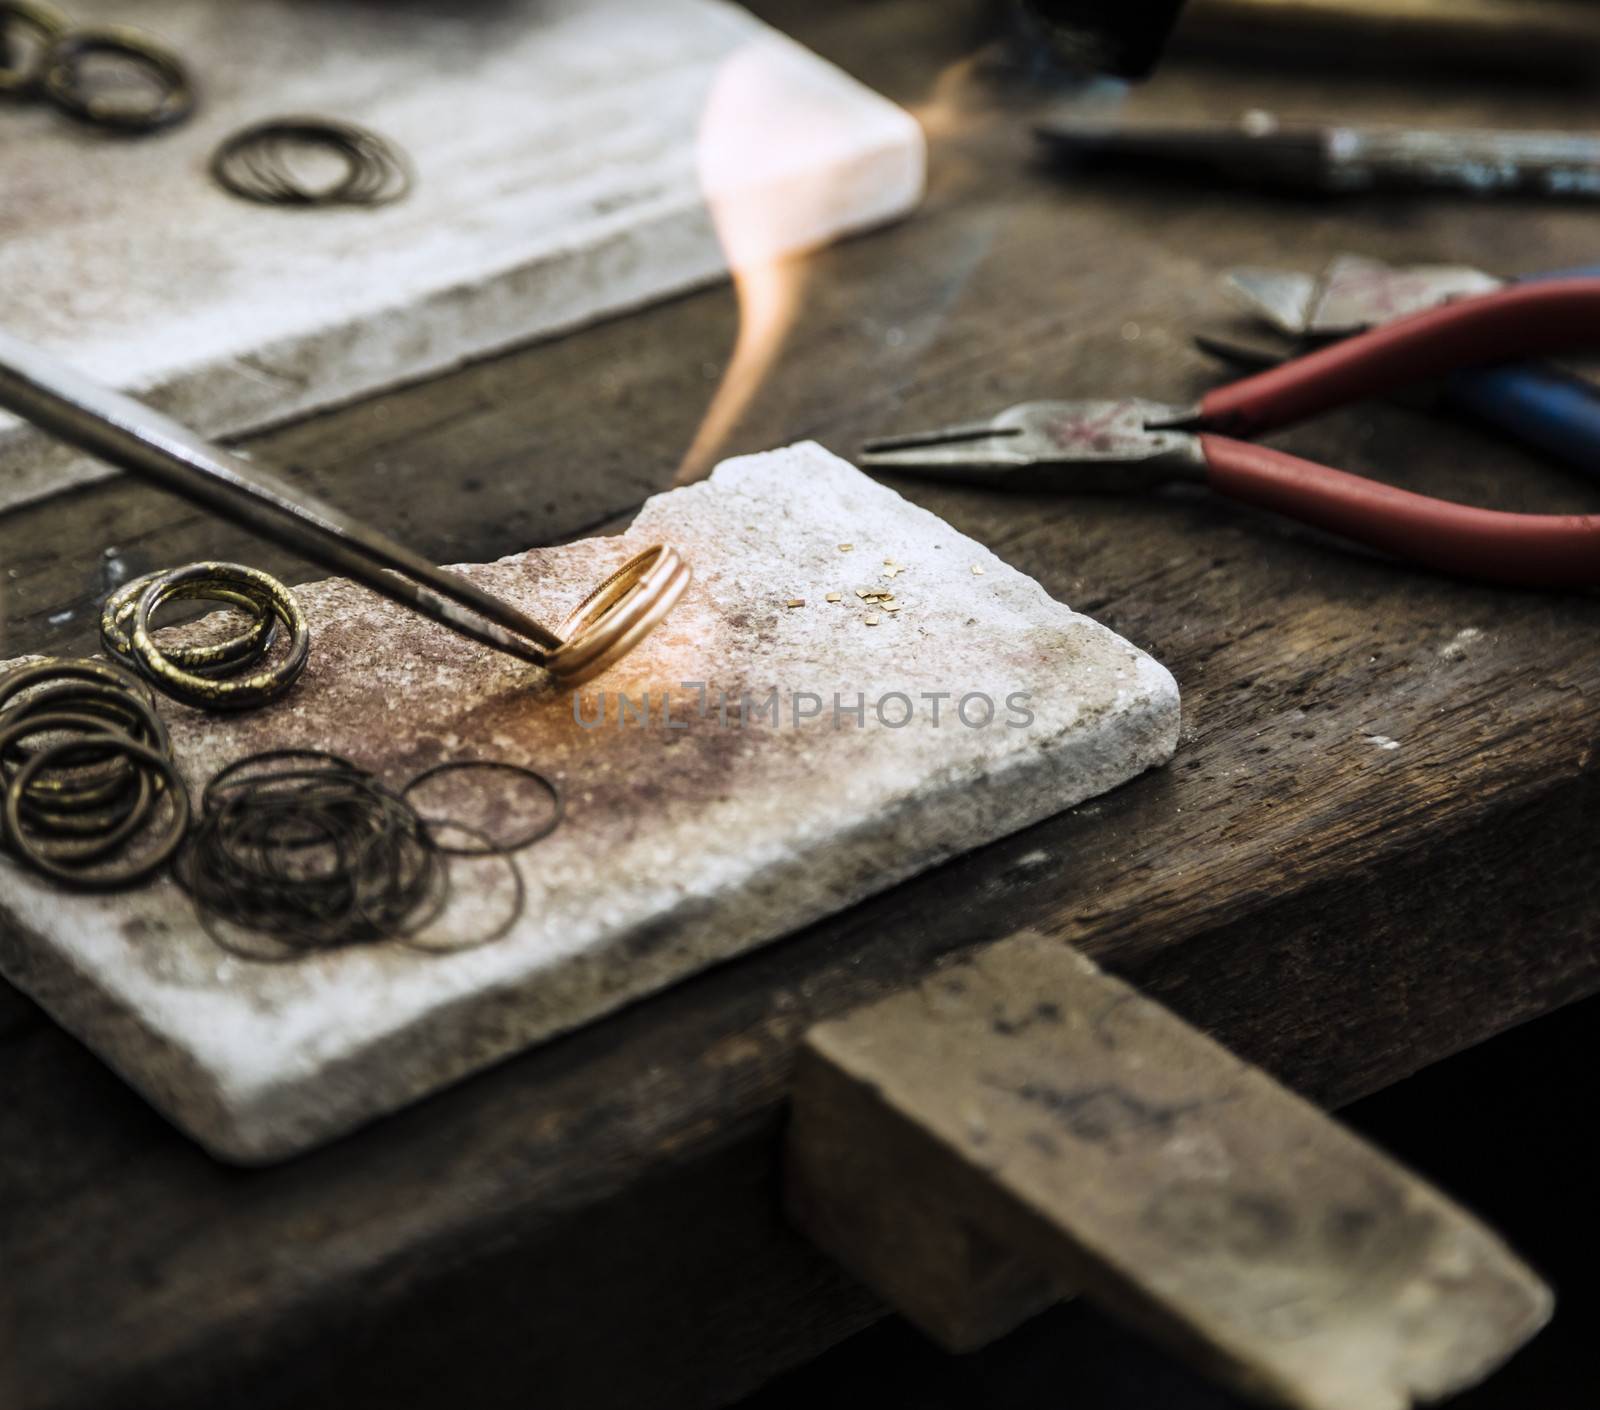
<point x="598" y="1220"/>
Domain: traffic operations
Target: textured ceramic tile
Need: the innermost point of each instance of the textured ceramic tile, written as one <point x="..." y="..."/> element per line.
<point x="689" y="838"/>
<point x="574" y="158"/>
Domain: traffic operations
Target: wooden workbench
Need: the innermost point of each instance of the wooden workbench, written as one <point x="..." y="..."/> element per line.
<point x="1372" y="850"/>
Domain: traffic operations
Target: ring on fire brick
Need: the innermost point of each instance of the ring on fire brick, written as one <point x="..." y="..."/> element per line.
<point x="299" y="851"/>
<point x="268" y="163"/>
<point x="540" y="828"/>
<point x="220" y="675"/>
<point x="164" y="94"/>
<point x="68" y="802"/>
<point x="416" y="936"/>
<point x="619" y="614"/>
<point x="97" y="796"/>
<point x="294" y="854"/>
<point x="27" y="30"/>
<point x="79" y="802"/>
<point x="210" y="658"/>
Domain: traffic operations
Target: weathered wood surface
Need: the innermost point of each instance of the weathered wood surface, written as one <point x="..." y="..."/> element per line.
<point x="1024" y="1107"/>
<point x="597" y="1222"/>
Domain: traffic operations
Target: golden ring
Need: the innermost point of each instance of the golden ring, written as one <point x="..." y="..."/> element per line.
<point x="249" y="646"/>
<point x="619" y="614"/>
<point x="238" y="692"/>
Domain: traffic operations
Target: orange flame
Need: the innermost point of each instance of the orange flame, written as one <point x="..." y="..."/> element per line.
<point x="768" y="293"/>
<point x="763" y="200"/>
<point x="768" y="158"/>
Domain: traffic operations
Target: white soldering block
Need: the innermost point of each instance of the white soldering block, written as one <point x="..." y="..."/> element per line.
<point x="751" y="768"/>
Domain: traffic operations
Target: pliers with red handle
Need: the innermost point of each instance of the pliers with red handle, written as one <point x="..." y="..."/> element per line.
<point x="1133" y="444"/>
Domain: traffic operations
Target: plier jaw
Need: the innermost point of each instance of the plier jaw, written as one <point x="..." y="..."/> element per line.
<point x="1299" y="312"/>
<point x="1113" y="446"/>
<point x="1351" y="295"/>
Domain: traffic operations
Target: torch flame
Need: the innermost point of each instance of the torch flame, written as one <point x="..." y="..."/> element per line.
<point x="768" y="293"/>
<point x="757" y="129"/>
<point x="788" y="158"/>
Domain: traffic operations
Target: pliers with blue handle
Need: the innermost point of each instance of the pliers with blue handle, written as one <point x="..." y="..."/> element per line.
<point x="1547" y="408"/>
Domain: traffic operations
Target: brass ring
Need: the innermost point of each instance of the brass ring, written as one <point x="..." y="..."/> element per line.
<point x="102" y="833"/>
<point x="138" y="869"/>
<point x="43" y="24"/>
<point x="248" y="647"/>
<point x="619" y="614"/>
<point x="50" y="680"/>
<point x="63" y="80"/>
<point x="66" y="802"/>
<point x="58" y="668"/>
<point x="240" y="692"/>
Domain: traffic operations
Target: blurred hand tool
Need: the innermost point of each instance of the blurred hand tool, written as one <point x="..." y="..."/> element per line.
<point x="1122" y="37"/>
<point x="1543" y="37"/>
<point x="1259" y="150"/>
<point x="1133" y="444"/>
<point x="68" y="405"/>
<point x="1546" y="407"/>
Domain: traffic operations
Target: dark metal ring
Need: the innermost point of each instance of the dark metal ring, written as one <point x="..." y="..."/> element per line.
<point x="50" y="683"/>
<point x="130" y="872"/>
<point x="235" y="692"/>
<point x="295" y="919"/>
<point x="65" y="801"/>
<point x="43" y="24"/>
<point x="248" y="647"/>
<point x="75" y="837"/>
<point x="314" y="855"/>
<point x="97" y="774"/>
<point x="505" y="766"/>
<point x="410" y="936"/>
<point x="63" y="84"/>
<point x="362" y="803"/>
<point x="137" y="794"/>
<point x="228" y="777"/>
<point x="98" y="736"/>
<point x="114" y="702"/>
<point x="54" y="668"/>
<point x="100" y="835"/>
<point x="251" y="164"/>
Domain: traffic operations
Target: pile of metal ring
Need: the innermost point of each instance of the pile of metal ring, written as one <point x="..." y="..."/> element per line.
<point x="299" y="851"/>
<point x="44" y="55"/>
<point x="233" y="674"/>
<point x="259" y="165"/>
<point x="93" y="798"/>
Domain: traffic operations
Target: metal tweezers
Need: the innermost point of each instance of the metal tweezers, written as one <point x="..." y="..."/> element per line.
<point x="126" y="433"/>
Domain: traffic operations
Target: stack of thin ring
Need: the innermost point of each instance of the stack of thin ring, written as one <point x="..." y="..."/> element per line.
<point x="224" y="675"/>
<point x="256" y="165"/>
<point x="52" y="67"/>
<point x="619" y="614"/>
<point x="299" y="851"/>
<point x="89" y="774"/>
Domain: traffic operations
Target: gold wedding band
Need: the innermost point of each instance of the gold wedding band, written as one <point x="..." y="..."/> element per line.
<point x="619" y="614"/>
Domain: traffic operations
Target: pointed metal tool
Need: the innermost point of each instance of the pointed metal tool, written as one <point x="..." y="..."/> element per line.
<point x="605" y="626"/>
